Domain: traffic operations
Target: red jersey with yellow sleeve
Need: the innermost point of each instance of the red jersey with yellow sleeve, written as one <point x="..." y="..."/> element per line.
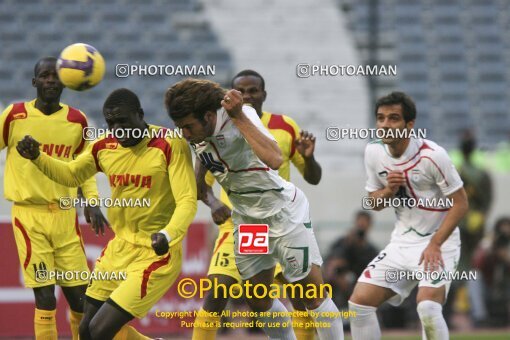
<point x="157" y="169"/>
<point x="61" y="137"/>
<point x="285" y="130"/>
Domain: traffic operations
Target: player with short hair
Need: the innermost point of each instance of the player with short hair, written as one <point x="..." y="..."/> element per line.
<point x="48" y="238"/>
<point x="425" y="238"/>
<point x="230" y="140"/>
<point x="147" y="243"/>
<point x="297" y="146"/>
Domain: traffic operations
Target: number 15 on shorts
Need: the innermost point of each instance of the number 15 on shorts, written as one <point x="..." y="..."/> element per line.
<point x="253" y="239"/>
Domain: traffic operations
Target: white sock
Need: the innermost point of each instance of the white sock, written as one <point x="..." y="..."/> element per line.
<point x="432" y="320"/>
<point x="364" y="323"/>
<point x="283" y="332"/>
<point x="334" y="328"/>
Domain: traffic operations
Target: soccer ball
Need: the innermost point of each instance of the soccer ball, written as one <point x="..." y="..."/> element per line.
<point x="80" y="67"/>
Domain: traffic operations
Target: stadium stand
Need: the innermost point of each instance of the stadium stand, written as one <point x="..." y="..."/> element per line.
<point x="124" y="31"/>
<point x="450" y="57"/>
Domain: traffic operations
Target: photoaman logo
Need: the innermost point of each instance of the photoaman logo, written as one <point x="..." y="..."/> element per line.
<point x="253" y="239"/>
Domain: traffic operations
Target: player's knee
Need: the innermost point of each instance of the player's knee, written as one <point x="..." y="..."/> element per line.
<point x="84" y="329"/>
<point x="75" y="297"/>
<point x="428" y="310"/>
<point x="97" y="329"/>
<point x="260" y="305"/>
<point x="312" y="304"/>
<point x="45" y="299"/>
<point x="297" y="304"/>
<point x="214" y="304"/>
<point x="358" y="299"/>
<point x="361" y="313"/>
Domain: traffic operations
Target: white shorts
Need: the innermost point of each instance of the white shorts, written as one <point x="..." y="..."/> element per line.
<point x="296" y="250"/>
<point x="396" y="258"/>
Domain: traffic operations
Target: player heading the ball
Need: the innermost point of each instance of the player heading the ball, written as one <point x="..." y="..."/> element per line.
<point x="230" y="140"/>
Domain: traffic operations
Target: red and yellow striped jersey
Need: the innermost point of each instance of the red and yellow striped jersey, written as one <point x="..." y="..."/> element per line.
<point x="61" y="137"/>
<point x="156" y="169"/>
<point x="286" y="132"/>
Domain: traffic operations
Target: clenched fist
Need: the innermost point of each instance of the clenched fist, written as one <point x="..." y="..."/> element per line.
<point x="159" y="243"/>
<point x="28" y="148"/>
<point x="233" y="103"/>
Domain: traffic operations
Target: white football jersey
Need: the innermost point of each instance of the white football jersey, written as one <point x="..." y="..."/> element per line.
<point x="254" y="189"/>
<point x="430" y="177"/>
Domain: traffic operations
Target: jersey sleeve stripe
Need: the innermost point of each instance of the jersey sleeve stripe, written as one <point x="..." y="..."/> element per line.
<point x="75" y="116"/>
<point x="424" y="146"/>
<point x="18" y="224"/>
<point x="147" y="273"/>
<point x="98" y="146"/>
<point x="164" y="146"/>
<point x="17" y="108"/>
<point x="278" y="122"/>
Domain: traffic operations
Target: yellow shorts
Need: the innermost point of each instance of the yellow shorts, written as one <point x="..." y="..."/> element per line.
<point x="223" y="258"/>
<point x="147" y="275"/>
<point x="49" y="240"/>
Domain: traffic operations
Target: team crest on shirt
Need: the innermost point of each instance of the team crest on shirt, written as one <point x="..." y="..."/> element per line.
<point x="383" y="173"/>
<point x="220" y="139"/>
<point x="415" y="175"/>
<point x="110" y="145"/>
<point x="293" y="262"/>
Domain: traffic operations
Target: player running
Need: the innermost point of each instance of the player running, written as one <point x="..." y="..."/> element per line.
<point x="147" y="243"/>
<point x="425" y="238"/>
<point x="48" y="238"/>
<point x="230" y="140"/>
<point x="297" y="147"/>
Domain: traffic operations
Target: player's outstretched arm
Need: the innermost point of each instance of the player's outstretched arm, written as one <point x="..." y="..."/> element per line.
<point x="184" y="191"/>
<point x="70" y="174"/>
<point x="431" y="256"/>
<point x="265" y="148"/>
<point x="305" y="146"/>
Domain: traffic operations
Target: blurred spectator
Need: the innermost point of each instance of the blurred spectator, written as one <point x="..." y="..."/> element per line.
<point x="492" y="261"/>
<point x="348" y="257"/>
<point x="478" y="186"/>
<point x="502" y="156"/>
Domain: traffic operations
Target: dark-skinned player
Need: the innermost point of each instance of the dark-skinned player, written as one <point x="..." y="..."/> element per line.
<point x="147" y="243"/>
<point x="47" y="238"/>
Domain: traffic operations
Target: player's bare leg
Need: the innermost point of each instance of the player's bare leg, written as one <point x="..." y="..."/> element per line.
<point x="364" y="302"/>
<point x="321" y="305"/>
<point x="269" y="305"/>
<point x="108" y="320"/>
<point x="75" y="297"/>
<point x="430" y="310"/>
<point x="45" y="324"/>
<point x="302" y="333"/>
<point x="205" y="327"/>
<point x="90" y="310"/>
